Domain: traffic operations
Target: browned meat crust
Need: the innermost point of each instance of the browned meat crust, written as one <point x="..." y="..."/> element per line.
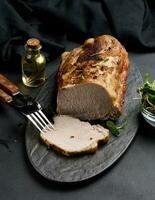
<point x="102" y="61"/>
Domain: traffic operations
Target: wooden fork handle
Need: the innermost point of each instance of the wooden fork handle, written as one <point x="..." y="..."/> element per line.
<point x="5" y="97"/>
<point x="7" y="86"/>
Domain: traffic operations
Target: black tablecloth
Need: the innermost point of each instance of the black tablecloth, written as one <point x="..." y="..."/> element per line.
<point x="55" y="22"/>
<point x="132" y="177"/>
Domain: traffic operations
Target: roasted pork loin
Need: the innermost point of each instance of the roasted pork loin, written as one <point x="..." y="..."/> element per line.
<point x="92" y="79"/>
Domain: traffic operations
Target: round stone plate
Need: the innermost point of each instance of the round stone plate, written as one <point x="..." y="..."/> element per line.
<point x="60" y="168"/>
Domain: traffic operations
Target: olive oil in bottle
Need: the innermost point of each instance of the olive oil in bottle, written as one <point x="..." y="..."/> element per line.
<point x="33" y="64"/>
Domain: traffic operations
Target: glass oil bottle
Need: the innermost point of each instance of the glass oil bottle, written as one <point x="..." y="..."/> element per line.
<point x="33" y="64"/>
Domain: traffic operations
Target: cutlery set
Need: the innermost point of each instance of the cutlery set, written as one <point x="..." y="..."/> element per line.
<point x="25" y="104"/>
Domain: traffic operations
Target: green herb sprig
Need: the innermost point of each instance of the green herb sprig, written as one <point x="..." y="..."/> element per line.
<point x="147" y="93"/>
<point x="105" y="60"/>
<point x="115" y="129"/>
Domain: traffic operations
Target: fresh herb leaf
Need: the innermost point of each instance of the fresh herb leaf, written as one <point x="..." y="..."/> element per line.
<point x="147" y="93"/>
<point x="105" y="60"/>
<point x="115" y="129"/>
<point x="151" y="98"/>
<point x="112" y="127"/>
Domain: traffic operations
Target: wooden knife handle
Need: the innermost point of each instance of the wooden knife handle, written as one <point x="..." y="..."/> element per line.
<point x="5" y="97"/>
<point x="7" y="86"/>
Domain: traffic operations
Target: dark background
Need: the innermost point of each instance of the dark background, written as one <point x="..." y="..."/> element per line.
<point x="62" y="25"/>
<point x="55" y="22"/>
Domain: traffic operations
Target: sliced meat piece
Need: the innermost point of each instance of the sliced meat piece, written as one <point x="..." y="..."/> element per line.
<point x="72" y="136"/>
<point x="92" y="79"/>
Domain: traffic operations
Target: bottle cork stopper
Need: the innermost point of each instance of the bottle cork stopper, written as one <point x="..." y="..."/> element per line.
<point x="33" y="42"/>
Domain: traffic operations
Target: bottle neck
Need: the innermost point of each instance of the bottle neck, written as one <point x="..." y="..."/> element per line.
<point x="32" y="52"/>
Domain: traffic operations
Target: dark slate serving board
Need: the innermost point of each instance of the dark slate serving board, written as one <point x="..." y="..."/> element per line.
<point x="56" y="167"/>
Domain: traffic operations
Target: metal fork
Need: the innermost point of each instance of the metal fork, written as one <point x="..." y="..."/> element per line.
<point x="40" y="121"/>
<point x="9" y="93"/>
